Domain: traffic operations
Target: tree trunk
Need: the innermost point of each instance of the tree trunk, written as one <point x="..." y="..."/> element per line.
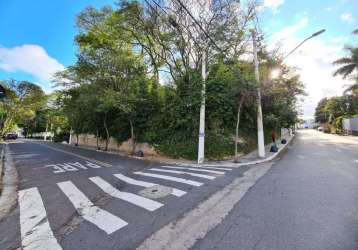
<point x="45" y="137"/>
<point x="107" y="132"/>
<point x="237" y="127"/>
<point x="133" y="139"/>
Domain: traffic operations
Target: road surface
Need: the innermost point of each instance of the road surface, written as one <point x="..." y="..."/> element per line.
<point x="72" y="198"/>
<point x="308" y="200"/>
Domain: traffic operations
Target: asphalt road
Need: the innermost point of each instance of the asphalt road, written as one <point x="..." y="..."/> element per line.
<point x="308" y="200"/>
<point x="72" y="198"/>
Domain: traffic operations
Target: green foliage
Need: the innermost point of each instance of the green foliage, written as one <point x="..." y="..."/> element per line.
<point x="23" y="101"/>
<point x="321" y="115"/>
<point x="113" y="90"/>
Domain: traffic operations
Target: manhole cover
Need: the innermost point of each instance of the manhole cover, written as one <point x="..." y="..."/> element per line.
<point x="156" y="191"/>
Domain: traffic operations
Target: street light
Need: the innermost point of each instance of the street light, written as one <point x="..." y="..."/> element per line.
<point x="276" y="72"/>
<point x="308" y="38"/>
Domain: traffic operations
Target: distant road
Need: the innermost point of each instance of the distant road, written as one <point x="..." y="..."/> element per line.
<point x="308" y="200"/>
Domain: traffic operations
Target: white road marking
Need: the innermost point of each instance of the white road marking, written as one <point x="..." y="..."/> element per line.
<point x="217" y="168"/>
<point x="140" y="201"/>
<point x="301" y="157"/>
<point x="101" y="218"/>
<point x="183" y="172"/>
<point x="338" y="150"/>
<point x="76" y="155"/>
<point x="171" y="178"/>
<point x="185" y="232"/>
<point x="175" y="192"/>
<point x="356" y="161"/>
<point x="196" y="169"/>
<point x="35" y="229"/>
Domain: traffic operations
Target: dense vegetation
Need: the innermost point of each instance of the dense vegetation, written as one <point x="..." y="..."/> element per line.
<point x="332" y="111"/>
<point x="138" y="77"/>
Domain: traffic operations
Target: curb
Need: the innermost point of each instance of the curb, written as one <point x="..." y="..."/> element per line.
<point x="280" y="152"/>
<point x="270" y="158"/>
<point x="8" y="195"/>
<point x="2" y="159"/>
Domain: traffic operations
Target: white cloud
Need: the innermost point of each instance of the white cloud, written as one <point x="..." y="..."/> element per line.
<point x="314" y="63"/>
<point x="31" y="59"/>
<point x="347" y="17"/>
<point x="290" y="31"/>
<point x="273" y="4"/>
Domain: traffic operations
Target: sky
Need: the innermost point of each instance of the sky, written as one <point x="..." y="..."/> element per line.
<point x="37" y="39"/>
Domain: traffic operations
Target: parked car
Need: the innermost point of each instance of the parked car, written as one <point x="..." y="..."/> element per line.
<point x="11" y="136"/>
<point x="320" y="129"/>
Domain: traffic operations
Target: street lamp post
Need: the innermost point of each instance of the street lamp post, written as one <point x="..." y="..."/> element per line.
<point x="260" y="133"/>
<point x="308" y="38"/>
<point x="201" y="143"/>
<point x="260" y="127"/>
<point x="276" y="72"/>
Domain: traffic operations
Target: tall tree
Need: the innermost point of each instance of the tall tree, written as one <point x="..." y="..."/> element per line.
<point x="21" y="103"/>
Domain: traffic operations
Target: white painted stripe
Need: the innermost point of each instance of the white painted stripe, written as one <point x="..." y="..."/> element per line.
<point x="171" y="178"/>
<point x="175" y="192"/>
<point x="140" y="201"/>
<point x="35" y="229"/>
<point x="196" y="169"/>
<point x="217" y="168"/>
<point x="183" y="172"/>
<point x="101" y="218"/>
<point x="76" y="155"/>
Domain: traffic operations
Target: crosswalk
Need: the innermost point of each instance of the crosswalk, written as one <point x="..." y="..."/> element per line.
<point x="35" y="229"/>
<point x="36" y="232"/>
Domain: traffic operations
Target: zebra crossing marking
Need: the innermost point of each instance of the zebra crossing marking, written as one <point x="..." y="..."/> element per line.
<point x="140" y="201"/>
<point x="99" y="217"/>
<point x="73" y="154"/>
<point x="197" y="170"/>
<point x="183" y="172"/>
<point x="175" y="191"/>
<point x="216" y="168"/>
<point x="35" y="229"/>
<point x="171" y="178"/>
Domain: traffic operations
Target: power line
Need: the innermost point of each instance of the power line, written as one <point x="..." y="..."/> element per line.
<point x="198" y="24"/>
<point x="171" y="21"/>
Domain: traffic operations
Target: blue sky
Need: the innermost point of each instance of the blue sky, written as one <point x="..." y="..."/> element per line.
<point x="37" y="38"/>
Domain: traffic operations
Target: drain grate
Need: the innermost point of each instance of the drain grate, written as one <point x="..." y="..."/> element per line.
<point x="156" y="192"/>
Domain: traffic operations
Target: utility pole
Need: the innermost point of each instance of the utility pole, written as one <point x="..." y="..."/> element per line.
<point x="202" y="110"/>
<point x="260" y="127"/>
<point x="70" y="139"/>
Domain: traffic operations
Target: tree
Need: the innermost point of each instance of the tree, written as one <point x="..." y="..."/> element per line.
<point x="321" y="115"/>
<point x="114" y="88"/>
<point x="23" y="100"/>
<point x="349" y="63"/>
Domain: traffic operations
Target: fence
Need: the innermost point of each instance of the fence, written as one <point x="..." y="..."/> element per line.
<point x="350" y="126"/>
